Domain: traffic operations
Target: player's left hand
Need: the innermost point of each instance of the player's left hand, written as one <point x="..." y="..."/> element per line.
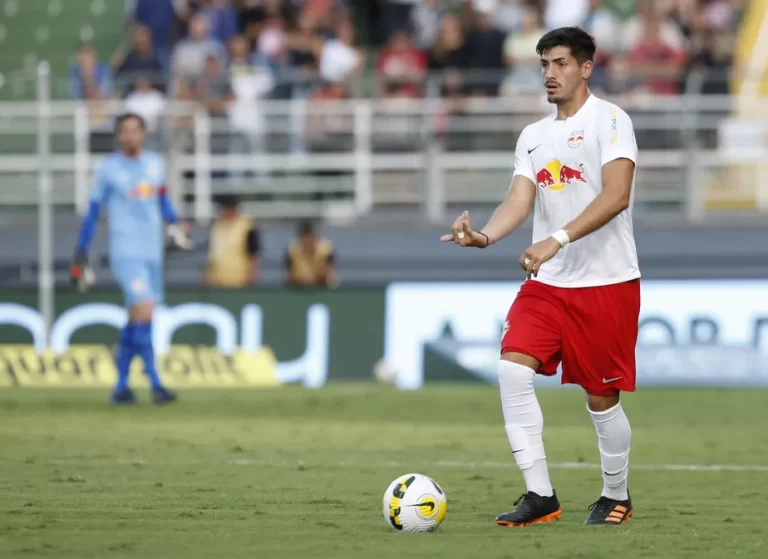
<point x="179" y="235"/>
<point x="81" y="273"/>
<point x="538" y="253"/>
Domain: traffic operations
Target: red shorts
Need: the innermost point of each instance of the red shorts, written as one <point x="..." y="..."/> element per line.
<point x="592" y="330"/>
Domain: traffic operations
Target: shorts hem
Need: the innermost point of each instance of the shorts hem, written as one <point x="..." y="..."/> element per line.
<point x="133" y="301"/>
<point x="508" y="349"/>
<point x="601" y="391"/>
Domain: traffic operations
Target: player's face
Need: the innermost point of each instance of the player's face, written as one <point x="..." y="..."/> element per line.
<point x="563" y="74"/>
<point x="131" y="136"/>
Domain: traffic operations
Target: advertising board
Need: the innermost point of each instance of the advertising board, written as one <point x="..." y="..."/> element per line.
<point x="692" y="333"/>
<point x="202" y="337"/>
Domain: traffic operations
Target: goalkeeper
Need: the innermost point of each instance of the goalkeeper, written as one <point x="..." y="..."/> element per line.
<point x="130" y="183"/>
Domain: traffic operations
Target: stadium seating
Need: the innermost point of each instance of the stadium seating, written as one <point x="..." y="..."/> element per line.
<point x="35" y="30"/>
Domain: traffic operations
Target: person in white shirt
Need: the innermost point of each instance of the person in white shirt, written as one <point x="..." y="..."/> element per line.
<point x="580" y="304"/>
<point x="146" y="102"/>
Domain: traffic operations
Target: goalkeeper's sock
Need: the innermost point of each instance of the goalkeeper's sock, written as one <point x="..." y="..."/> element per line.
<point x="125" y="353"/>
<point x="142" y="339"/>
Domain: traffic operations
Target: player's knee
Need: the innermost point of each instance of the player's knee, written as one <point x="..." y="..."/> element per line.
<point x="521" y="359"/>
<point x="602" y="402"/>
<point x="141" y="312"/>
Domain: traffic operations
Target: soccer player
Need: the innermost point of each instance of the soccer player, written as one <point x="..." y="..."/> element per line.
<point x="580" y="303"/>
<point x="131" y="184"/>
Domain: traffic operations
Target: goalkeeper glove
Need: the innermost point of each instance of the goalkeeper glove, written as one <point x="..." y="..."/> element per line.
<point x="81" y="273"/>
<point x="180" y="237"/>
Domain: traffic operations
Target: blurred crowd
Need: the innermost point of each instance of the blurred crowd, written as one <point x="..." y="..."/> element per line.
<point x="228" y="55"/>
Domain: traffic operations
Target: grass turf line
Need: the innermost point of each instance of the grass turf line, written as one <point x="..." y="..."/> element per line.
<point x="290" y="472"/>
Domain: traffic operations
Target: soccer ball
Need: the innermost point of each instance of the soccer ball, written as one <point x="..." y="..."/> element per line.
<point x="414" y="503"/>
<point x="384" y="372"/>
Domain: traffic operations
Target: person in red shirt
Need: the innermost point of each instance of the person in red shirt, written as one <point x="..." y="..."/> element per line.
<point x="401" y="65"/>
<point x="659" y="64"/>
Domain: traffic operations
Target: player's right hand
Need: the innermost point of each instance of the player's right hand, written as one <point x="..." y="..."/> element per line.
<point x="80" y="272"/>
<point x="462" y="234"/>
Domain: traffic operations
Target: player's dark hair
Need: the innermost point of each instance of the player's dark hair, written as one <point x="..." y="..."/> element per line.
<point x="128" y="116"/>
<point x="580" y="43"/>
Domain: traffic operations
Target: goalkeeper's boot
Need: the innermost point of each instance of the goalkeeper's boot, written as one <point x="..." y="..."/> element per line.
<point x="532" y="508"/>
<point x="161" y="395"/>
<point x="123" y="397"/>
<point x="610" y="511"/>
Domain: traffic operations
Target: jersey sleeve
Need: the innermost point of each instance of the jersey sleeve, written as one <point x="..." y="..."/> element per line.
<point x="523" y="161"/>
<point x="616" y="135"/>
<point x="100" y="189"/>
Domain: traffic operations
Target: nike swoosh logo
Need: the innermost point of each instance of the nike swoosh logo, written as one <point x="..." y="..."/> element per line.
<point x="530" y="151"/>
<point x="516" y="451"/>
<point x="607" y="380"/>
<point x="425" y="504"/>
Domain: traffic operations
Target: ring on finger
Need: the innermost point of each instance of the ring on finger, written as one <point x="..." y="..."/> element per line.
<point x="460" y="235"/>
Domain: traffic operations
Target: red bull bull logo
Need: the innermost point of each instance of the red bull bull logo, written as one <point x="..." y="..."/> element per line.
<point x="575" y="139"/>
<point x="142" y="191"/>
<point x="557" y="176"/>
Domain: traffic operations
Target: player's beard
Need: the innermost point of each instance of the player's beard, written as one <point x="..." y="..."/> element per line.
<point x="555" y="97"/>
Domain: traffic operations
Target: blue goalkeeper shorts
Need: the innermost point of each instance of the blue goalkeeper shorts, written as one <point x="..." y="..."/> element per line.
<point x="140" y="280"/>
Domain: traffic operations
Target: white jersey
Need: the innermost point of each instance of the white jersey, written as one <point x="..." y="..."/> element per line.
<point x="564" y="159"/>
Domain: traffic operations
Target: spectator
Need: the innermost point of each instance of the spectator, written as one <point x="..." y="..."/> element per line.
<point x="190" y="55"/>
<point x="454" y="93"/>
<point x="425" y="21"/>
<point x="301" y="43"/>
<point x="159" y="17"/>
<point x="486" y="46"/>
<point x="401" y="67"/>
<point x="140" y="62"/>
<point x="146" y="102"/>
<point x="271" y="42"/>
<point x="252" y="82"/>
<point x="520" y="54"/>
<point x="89" y="79"/>
<point x="274" y="56"/>
<point x="604" y="26"/>
<point x="508" y="14"/>
<point x="658" y="64"/>
<point x="450" y="50"/>
<point x="222" y="20"/>
<point x="564" y="13"/>
<point x="396" y="15"/>
<point x="650" y="15"/>
<point x="251" y="14"/>
<point x="234" y="248"/>
<point x="711" y="58"/>
<point x="309" y="260"/>
<point x="338" y="58"/>
<point x="213" y="89"/>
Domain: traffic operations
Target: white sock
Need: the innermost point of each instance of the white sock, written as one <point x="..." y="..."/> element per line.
<point x="613" y="438"/>
<point x="524" y="423"/>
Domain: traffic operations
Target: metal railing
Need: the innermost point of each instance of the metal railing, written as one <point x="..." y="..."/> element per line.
<point x="343" y="159"/>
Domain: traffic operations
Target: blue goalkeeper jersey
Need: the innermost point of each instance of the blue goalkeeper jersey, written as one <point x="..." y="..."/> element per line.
<point x="132" y="191"/>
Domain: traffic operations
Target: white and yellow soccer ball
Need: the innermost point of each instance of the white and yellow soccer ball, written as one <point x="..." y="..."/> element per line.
<point x="414" y="503"/>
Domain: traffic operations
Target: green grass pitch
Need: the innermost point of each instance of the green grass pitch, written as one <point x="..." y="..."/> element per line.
<point x="290" y="473"/>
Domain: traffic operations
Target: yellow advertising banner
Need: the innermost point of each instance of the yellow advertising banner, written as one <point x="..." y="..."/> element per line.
<point x="183" y="366"/>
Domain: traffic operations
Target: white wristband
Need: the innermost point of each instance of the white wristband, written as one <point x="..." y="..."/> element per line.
<point x="561" y="237"/>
